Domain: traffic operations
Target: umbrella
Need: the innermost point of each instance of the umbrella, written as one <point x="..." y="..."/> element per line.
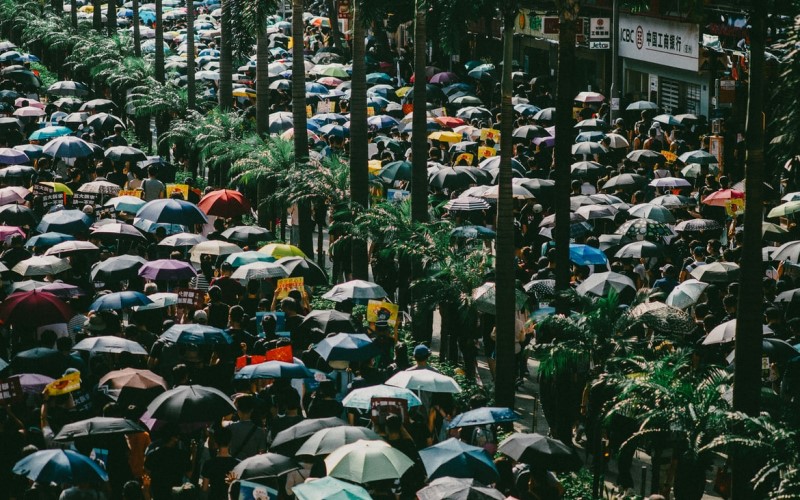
<point x="243" y="258"/>
<point x="485" y="298"/>
<point x="591" y="212"/>
<point x="280" y="250"/>
<point x="68" y="88"/>
<point x="641" y="106"/>
<point x="196" y="334"/>
<point x="33" y="309"/>
<point x="646" y="156"/>
<point x="455" y="458"/>
<point x="48" y="240"/>
<point x="652" y="212"/>
<point x="225" y="203"/>
<point x="467" y="204"/>
<point x="124" y="153"/>
<point x="17" y="215"/>
<point x="540" y="452"/>
<point x="588" y="148"/>
<point x="726" y="332"/>
<point x="191" y="403"/>
<point x="544" y="289"/>
<point x="672" y="201"/>
<point x="721" y="197"/>
<point x="273" y="370"/>
<point x="99" y="187"/>
<point x="661" y="318"/>
<point x="716" y="272"/>
<point x="110" y="345"/>
<point x="167" y="269"/>
<point x="367" y="461"/>
<point x="699" y="157"/>
<point x="585" y="255"/>
<point x="9" y="156"/>
<point x="424" y="380"/>
<point x="778" y="351"/>
<point x="643" y="228"/>
<point x="639" y="249"/>
<point x="131" y="378"/>
<point x="600" y="284"/>
<point x="117" y="231"/>
<point x="330" y="488"/>
<point x="473" y="233"/>
<point x="347" y="347"/>
<point x="697" y="225"/>
<point x="484" y="416"/>
<point x="290" y="440"/>
<point x="396" y="171"/>
<point x="785" y="209"/>
<point x="105" y="122"/>
<point x="98" y="105"/>
<point x="213" y="247"/>
<point x="31" y="383"/>
<point x="120" y="300"/>
<point x="263" y="466"/>
<point x="40" y="360"/>
<point x="41" y="266"/>
<point x="66" y="248"/>
<point x="297" y="267"/>
<point x="13" y="195"/>
<point x="61" y="467"/>
<point x="326" y="441"/>
<point x="172" y="211"/>
<point x="361" y="398"/>
<point x="686" y="293"/>
<point x="117" y="268"/>
<point x="788" y="251"/>
<point x="451" y="488"/>
<point x="182" y="240"/>
<point x="625" y="180"/>
<point x="29" y="111"/>
<point x="328" y="321"/>
<point x="68" y="147"/>
<point x="617" y="141"/>
<point x="355" y="290"/>
<point x="64" y="221"/>
<point x="247" y="234"/>
<point x="695" y="170"/>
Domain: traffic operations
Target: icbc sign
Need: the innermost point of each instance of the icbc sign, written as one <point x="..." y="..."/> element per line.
<point x="668" y="43"/>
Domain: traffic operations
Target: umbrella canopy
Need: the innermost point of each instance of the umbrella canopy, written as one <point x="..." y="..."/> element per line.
<point x="60" y="467"/>
<point x="785" y="209"/>
<point x="451" y="488"/>
<point x="722" y="197"/>
<point x="273" y="370"/>
<point x="697" y="225"/>
<point x="454" y="458"/>
<point x="280" y="250"/>
<point x="326" y="441"/>
<point x="661" y="318"/>
<point x="17" y="215"/>
<point x="68" y="88"/>
<point x="98" y="426"/>
<point x="355" y="290"/>
<point x="644" y="228"/>
<point x="484" y="416"/>
<point x="625" y="181"/>
<point x="361" y="398"/>
<point x="347" y="347"/>
<point x="686" y="293"/>
<point x="41" y="266"/>
<point x="247" y="234"/>
<point x="213" y="247"/>
<point x="485" y="298"/>
<point x="117" y="231"/>
<point x="312" y="274"/>
<point x="172" y="211"/>
<point x="424" y="380"/>
<point x="467" y="204"/>
<point x="716" y="272"/>
<point x="64" y="221"/>
<point x="9" y="156"/>
<point x="670" y="182"/>
<point x="646" y="157"/>
<point x="540" y="451"/>
<point x="473" y="233"/>
<point x="328" y="321"/>
<point x="367" y="461"/>
<point x="225" y="203"/>
<point x="182" y="240"/>
<point x="39" y="360"/>
<point x="585" y="255"/>
<point x="167" y="269"/>
<point x="120" y="300"/>
<point x="124" y="153"/>
<point x="698" y="156"/>
<point x="653" y="212"/>
<point x="117" y="268"/>
<point x="726" y="332"/>
<point x="191" y="403"/>
<point x="290" y="440"/>
<point x="264" y="465"/>
<point x="788" y="251"/>
<point x="110" y="345"/>
<point x="196" y="334"/>
<point x="260" y="271"/>
<point x="639" y="249"/>
<point x="132" y="378"/>
<point x="66" y="248"/>
<point x="68" y="147"/>
<point x="239" y="259"/>
<point x="600" y="284"/>
<point x="34" y="308"/>
<point x="329" y="488"/>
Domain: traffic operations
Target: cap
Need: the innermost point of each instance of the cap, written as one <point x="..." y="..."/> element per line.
<point x="421" y="352"/>
<point x="200" y="315"/>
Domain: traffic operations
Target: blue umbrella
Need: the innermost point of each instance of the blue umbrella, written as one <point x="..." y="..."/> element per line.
<point x="49" y="133"/>
<point x="455" y="458"/>
<point x="64" y="221"/>
<point x="48" y="240"/>
<point x="59" y="466"/>
<point x="129" y="204"/>
<point x="327" y="118"/>
<point x="592" y="136"/>
<point x="330" y="488"/>
<point x="272" y="370"/>
<point x="120" y="300"/>
<point x="241" y="258"/>
<point x="484" y="416"/>
<point x="526" y="109"/>
<point x="209" y="52"/>
<point x="316" y="88"/>
<point x="382" y="122"/>
<point x="196" y="334"/>
<point x="585" y="255"/>
<point x="347" y="347"/>
<point x="149" y="226"/>
<point x="10" y="156"/>
<point x="379" y="79"/>
<point x="334" y="130"/>
<point x="361" y="398"/>
<point x="68" y="147"/>
<point x="34" y="151"/>
<point x="377" y="102"/>
<point x="171" y="211"/>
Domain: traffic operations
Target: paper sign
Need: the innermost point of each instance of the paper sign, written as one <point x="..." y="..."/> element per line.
<point x="485" y="152"/>
<point x="50" y="199"/>
<point x="281" y="354"/>
<point x="243" y="361"/>
<point x="183" y="189"/>
<point x="64" y="385"/>
<point x="671" y="157"/>
<point x="378" y="310"/>
<point x="10" y="391"/>
<point x="464" y="159"/>
<point x="380" y="408"/>
<point x="309" y="111"/>
<point x="734" y="207"/>
<point x="324" y="107"/>
<point x="285" y="285"/>
<point x="408" y="108"/>
<point x="370" y="111"/>
<point x="491" y="134"/>
<point x="191" y="297"/>
<point x="81" y="199"/>
<point x="136" y="193"/>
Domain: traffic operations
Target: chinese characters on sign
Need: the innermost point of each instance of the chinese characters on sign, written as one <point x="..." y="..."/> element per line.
<point x="600" y="28"/>
<point x="667" y="43"/>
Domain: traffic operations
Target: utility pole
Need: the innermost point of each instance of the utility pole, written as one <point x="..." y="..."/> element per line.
<point x="615" y="101"/>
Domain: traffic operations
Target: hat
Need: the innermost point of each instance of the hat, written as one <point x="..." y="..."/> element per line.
<point x="95" y="324"/>
<point x="421" y="352"/>
<point x="200" y="315"/>
<point x="668" y="269"/>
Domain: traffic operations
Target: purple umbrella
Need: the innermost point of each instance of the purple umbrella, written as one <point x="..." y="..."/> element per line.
<point x="32" y="383"/>
<point x="62" y="290"/>
<point x="545" y="142"/>
<point x="167" y="269"/>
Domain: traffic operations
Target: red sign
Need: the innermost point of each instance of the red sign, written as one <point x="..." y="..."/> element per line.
<point x="280" y="354"/>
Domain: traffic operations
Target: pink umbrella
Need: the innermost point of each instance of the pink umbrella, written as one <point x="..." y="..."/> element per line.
<point x="167" y="269"/>
<point x="330" y="81"/>
<point x="6" y="232"/>
<point x="24" y="101"/>
<point x="13" y="194"/>
<point x="29" y="111"/>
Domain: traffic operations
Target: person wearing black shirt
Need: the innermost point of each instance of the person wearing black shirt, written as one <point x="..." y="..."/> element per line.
<point x="167" y="464"/>
<point x="290" y="307"/>
<point x="324" y="403"/>
<point x="16" y="253"/>
<point x="216" y="469"/>
<point x="118" y="176"/>
<point x="217" y="310"/>
<point x="235" y="330"/>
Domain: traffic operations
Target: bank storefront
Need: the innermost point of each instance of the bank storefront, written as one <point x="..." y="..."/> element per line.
<point x="661" y="63"/>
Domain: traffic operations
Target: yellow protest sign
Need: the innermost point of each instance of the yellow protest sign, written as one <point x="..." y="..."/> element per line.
<point x="382" y="311"/>
<point x="464" y="159"/>
<point x="670" y="156"/>
<point x="370" y="111"/>
<point x="374" y="166"/>
<point x="285" y="285"/>
<point x="734" y="207"/>
<point x="490" y="134"/>
<point x="484" y="152"/>
<point x="136" y="193"/>
<point x="309" y="111"/>
<point x="178" y="188"/>
<point x="64" y="385"/>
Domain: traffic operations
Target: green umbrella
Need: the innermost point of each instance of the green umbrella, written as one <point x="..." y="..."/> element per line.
<point x="330" y="488"/>
<point x="367" y="461"/>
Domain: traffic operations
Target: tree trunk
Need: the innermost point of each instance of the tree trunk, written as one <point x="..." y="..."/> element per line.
<point x="306" y="228"/>
<point x="419" y="140"/>
<point x="97" y="15"/>
<point x="262" y="74"/>
<point x="568" y="11"/>
<point x="359" y="173"/>
<point x="225" y="88"/>
<point x="111" y="17"/>
<point x="191" y="88"/>
<point x="333" y="17"/>
<point x="262" y="207"/>
<point x="159" y="68"/>
<point x="504" y="389"/>
<point x="73" y="13"/>
<point x="747" y="374"/>
<point x="137" y="37"/>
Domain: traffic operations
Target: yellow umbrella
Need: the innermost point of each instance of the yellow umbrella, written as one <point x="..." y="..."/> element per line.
<point x="57" y="187"/>
<point x="244" y="92"/>
<point x="444" y="136"/>
<point x="374" y="166"/>
<point x="402" y="91"/>
<point x="87" y="9"/>
<point x="280" y="250"/>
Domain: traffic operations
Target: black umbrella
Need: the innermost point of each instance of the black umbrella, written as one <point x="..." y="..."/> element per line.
<point x="17" y="215"/>
<point x="98" y="105"/>
<point x="39" y="360"/>
<point x="98" y="426"/>
<point x="452" y="488"/>
<point x="125" y="153"/>
<point x="290" y="440"/>
<point x="10" y="123"/>
<point x="117" y="268"/>
<point x="396" y="171"/>
<point x="103" y="121"/>
<point x="778" y="351"/>
<point x="264" y="465"/>
<point x="540" y="452"/>
<point x="248" y="235"/>
<point x="24" y="77"/>
<point x="191" y="403"/>
<point x="329" y="321"/>
<point x="454" y="178"/>
<point x="529" y="132"/>
<point x="300" y="267"/>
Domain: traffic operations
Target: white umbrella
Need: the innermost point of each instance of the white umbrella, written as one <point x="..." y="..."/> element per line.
<point x="99" y="187"/>
<point x="591" y="212"/>
<point x="686" y="293"/>
<point x="260" y="271"/>
<point x="110" y="345"/>
<point x="160" y="301"/>
<point x="41" y="266"/>
<point x="726" y="332"/>
<point x="183" y="240"/>
<point x="355" y="290"/>
<point x="367" y="461"/>
<point x="424" y="380"/>
<point x="72" y="246"/>
<point x="213" y="247"/>
<point x="600" y="284"/>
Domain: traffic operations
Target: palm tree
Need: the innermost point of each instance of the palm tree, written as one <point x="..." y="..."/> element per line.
<point x="159" y="70"/>
<point x="225" y="88"/>
<point x="111" y="17"/>
<point x="359" y="173"/>
<point x="419" y="140"/>
<point x="333" y="17"/>
<point x="568" y="15"/>
<point x="73" y="13"/>
<point x="262" y="66"/>
<point x="504" y="262"/>
<point x="97" y="15"/>
<point x="191" y="90"/>
<point x="137" y="37"/>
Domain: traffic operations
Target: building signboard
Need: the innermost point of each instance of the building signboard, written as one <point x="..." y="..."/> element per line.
<point x="653" y="40"/>
<point x="600" y="28"/>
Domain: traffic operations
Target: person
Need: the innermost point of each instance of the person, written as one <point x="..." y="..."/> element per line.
<point x="216" y="310"/>
<point x="240" y="336"/>
<point x="699" y="256"/>
<point x="399" y="438"/>
<point x="668" y="280"/>
<point x="247" y="437"/>
<point x="291" y="309"/>
<point x="16" y="253"/>
<point x="324" y="403"/>
<point x="216" y="469"/>
<point x="116" y="138"/>
<point x="421" y="355"/>
<point x="167" y="463"/>
<point x="153" y="188"/>
<point x="230" y="288"/>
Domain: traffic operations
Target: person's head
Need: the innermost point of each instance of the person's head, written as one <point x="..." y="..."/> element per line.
<point x="729" y="303"/>
<point x="200" y="317"/>
<point x="49" y="338"/>
<point x="245" y="404"/>
<point x="421" y="354"/>
<point x="219" y="225"/>
<point x="64" y="345"/>
<point x="699" y="253"/>
<point x="713" y="246"/>
<point x="669" y="271"/>
<point x="296" y="295"/>
<point x="180" y="374"/>
<point x="235" y="316"/>
<point x="223" y="436"/>
<point x="152" y="171"/>
<point x="215" y="293"/>
<point x="226" y="269"/>
<point x="118" y="129"/>
<point x="132" y="490"/>
<point x="290" y="306"/>
<point x="393" y="424"/>
<point x="773" y="315"/>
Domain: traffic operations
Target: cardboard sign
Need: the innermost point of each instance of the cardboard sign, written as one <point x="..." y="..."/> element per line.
<point x="378" y="310"/>
<point x="10" y="391"/>
<point x="285" y="285"/>
<point x="191" y="297"/>
<point x="484" y="152"/>
<point x="64" y="385"/>
<point x="136" y="193"/>
<point x="490" y="134"/>
<point x="734" y="207"/>
<point x="464" y="159"/>
<point x="283" y="353"/>
<point x="324" y="107"/>
<point x="280" y="322"/>
<point x="380" y="408"/>
<point x="178" y="188"/>
<point x="81" y="199"/>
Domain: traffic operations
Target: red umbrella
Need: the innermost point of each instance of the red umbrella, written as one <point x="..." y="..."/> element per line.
<point x="718" y="198"/>
<point x="33" y="309"/>
<point x="449" y="121"/>
<point x="224" y="203"/>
